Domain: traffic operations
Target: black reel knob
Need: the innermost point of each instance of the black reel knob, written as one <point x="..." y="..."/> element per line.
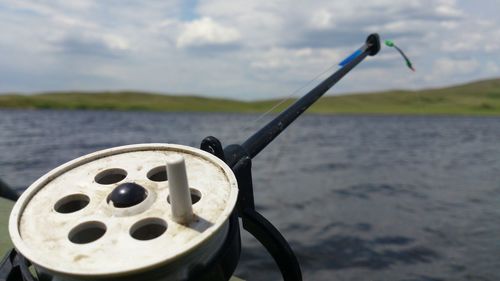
<point x="127" y="195"/>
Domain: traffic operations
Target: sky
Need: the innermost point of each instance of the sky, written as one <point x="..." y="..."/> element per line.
<point x="240" y="49"/>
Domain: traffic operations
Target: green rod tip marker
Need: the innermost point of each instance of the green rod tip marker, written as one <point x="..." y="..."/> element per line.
<point x="390" y="43"/>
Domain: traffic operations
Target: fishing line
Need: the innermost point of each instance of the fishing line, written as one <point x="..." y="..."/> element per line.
<point x="289" y="97"/>
<point x="344" y="62"/>
<point x="274" y="160"/>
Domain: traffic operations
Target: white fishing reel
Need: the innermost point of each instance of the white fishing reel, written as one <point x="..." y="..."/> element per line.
<point x="137" y="212"/>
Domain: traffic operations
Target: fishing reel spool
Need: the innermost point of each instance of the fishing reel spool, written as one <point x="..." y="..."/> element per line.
<point x="137" y="212"/>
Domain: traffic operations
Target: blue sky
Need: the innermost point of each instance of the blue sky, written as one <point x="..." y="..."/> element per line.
<point x="241" y="49"/>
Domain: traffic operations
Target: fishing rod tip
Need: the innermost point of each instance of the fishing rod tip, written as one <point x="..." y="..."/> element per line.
<point x="373" y="41"/>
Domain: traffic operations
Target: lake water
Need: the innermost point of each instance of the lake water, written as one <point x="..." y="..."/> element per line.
<point x="357" y="197"/>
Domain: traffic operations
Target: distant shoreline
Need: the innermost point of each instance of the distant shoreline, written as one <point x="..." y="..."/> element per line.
<point x="473" y="99"/>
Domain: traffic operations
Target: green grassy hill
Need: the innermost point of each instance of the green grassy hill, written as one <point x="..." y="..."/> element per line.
<point x="477" y="98"/>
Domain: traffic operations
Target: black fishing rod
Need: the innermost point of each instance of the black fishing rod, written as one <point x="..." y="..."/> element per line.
<point x="239" y="159"/>
<point x="258" y="141"/>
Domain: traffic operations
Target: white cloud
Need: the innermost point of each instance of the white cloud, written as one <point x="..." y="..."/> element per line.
<point x="448" y="8"/>
<point x="206" y="31"/>
<point x="449" y="67"/>
<point x="322" y="19"/>
<point x="115" y="42"/>
<point x="492" y="67"/>
<point x="277" y="58"/>
<point x="259" y="48"/>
